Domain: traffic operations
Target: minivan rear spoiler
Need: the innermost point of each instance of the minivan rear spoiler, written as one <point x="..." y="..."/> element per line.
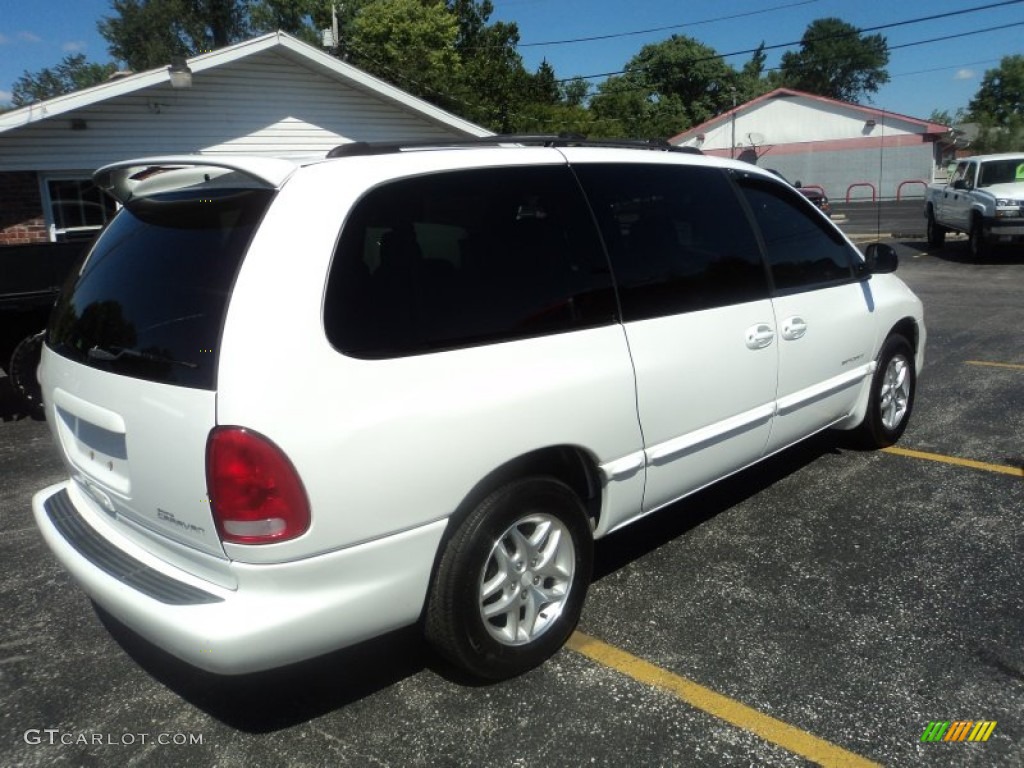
<point x="142" y="177"/>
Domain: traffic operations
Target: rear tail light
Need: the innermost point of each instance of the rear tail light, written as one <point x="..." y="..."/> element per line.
<point x="255" y="493"/>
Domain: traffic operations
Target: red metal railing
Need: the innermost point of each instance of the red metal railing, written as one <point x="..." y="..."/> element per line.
<point x="902" y="184"/>
<point x="874" y="192"/>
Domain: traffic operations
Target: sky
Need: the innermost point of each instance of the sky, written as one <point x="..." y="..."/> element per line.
<point x="925" y="76"/>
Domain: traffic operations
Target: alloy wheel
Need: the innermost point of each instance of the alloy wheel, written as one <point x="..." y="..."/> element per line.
<point x="527" y="579"/>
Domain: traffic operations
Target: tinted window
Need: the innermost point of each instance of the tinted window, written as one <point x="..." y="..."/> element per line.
<point x="678" y="237"/>
<point x="802" y="249"/>
<point x="466" y="257"/>
<point x="151" y="299"/>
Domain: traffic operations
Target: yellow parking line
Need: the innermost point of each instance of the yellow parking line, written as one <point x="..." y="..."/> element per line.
<point x="1014" y="366"/>
<point x="733" y="712"/>
<point x="1001" y="468"/>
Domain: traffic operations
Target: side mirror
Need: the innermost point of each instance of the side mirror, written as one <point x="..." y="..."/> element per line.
<point x="880" y="259"/>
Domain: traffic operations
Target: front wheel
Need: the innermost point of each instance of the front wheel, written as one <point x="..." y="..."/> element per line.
<point x="892" y="395"/>
<point x="511" y="582"/>
<point x="936" y="232"/>
<point x="23" y="366"/>
<point x="978" y="244"/>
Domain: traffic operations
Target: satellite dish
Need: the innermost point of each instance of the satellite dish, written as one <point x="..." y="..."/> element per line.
<point x="756" y="138"/>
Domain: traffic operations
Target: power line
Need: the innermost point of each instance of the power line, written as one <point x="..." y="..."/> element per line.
<point x="854" y="33"/>
<point x="943" y="69"/>
<point x="957" y="36"/>
<point x="666" y="28"/>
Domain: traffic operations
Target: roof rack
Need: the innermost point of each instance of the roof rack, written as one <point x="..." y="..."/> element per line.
<point x="364" y="148"/>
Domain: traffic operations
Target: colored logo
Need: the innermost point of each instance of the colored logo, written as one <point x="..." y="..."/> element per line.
<point x="958" y="730"/>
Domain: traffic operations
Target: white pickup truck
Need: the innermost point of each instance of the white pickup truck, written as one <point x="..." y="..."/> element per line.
<point x="984" y="199"/>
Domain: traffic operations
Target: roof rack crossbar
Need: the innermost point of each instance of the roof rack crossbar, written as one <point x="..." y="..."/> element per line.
<point x="366" y="148"/>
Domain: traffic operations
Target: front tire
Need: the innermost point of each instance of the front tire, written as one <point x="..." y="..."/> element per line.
<point x="22" y="368"/>
<point x="511" y="582"/>
<point x="892" y="395"/>
<point x="979" y="246"/>
<point x="936" y="233"/>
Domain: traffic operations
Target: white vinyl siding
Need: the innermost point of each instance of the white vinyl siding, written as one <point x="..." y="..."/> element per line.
<point x="265" y="103"/>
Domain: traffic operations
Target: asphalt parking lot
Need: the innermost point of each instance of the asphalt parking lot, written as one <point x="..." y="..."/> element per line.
<point x="824" y="607"/>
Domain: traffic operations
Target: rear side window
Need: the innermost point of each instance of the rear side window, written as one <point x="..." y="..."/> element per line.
<point x="678" y="237"/>
<point x="466" y="257"/>
<point x="803" y="250"/>
<point x="151" y="298"/>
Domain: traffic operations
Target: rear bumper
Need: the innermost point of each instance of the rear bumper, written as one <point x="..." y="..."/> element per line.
<point x="279" y="614"/>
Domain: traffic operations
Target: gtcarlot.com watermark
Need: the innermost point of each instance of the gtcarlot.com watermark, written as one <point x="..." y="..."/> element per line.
<point x="55" y="736"/>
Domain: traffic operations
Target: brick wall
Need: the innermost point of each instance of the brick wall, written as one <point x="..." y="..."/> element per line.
<point x="21" y="209"/>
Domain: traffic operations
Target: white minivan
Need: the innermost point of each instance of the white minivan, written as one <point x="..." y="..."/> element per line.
<point x="305" y="403"/>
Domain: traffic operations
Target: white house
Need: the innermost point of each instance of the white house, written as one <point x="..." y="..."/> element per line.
<point x="849" y="151"/>
<point x="270" y="95"/>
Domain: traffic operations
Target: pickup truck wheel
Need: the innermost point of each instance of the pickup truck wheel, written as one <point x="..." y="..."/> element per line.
<point x="936" y="232"/>
<point x="892" y="395"/>
<point x="511" y="582"/>
<point x="979" y="246"/>
<point x="22" y="370"/>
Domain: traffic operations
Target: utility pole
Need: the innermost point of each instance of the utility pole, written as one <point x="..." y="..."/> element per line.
<point x="329" y="36"/>
<point x="732" y="142"/>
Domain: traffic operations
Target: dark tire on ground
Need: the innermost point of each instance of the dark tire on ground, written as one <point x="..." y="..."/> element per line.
<point x="979" y="247"/>
<point x="512" y="579"/>
<point x="22" y="370"/>
<point x="936" y="232"/>
<point x="892" y="395"/>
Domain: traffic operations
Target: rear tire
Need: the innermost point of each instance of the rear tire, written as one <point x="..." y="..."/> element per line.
<point x="511" y="582"/>
<point x="892" y="395"/>
<point x="936" y="232"/>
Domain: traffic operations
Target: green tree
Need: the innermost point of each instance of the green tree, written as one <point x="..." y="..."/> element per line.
<point x="551" y="107"/>
<point x="998" y="107"/>
<point x="493" y="86"/>
<point x="543" y="87"/>
<point x="666" y="88"/>
<point x="408" y="42"/>
<point x="944" y="117"/>
<point x="574" y="92"/>
<point x="1001" y="95"/>
<point x="302" y="18"/>
<point x="72" y="74"/>
<point x="752" y="80"/>
<point x="484" y="81"/>
<point x="835" y="60"/>
<point x="148" y="33"/>
<point x="1008" y="137"/>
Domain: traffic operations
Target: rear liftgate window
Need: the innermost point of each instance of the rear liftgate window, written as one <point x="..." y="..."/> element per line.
<point x="463" y="258"/>
<point x="151" y="299"/>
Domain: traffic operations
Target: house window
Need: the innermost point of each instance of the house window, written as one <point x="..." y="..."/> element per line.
<point x="75" y="207"/>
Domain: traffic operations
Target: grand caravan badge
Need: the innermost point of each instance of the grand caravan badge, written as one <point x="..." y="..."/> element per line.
<point x="167" y="517"/>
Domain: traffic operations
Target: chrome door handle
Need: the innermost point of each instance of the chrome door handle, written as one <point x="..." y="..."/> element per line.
<point x="759" y="336"/>
<point x="793" y="328"/>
